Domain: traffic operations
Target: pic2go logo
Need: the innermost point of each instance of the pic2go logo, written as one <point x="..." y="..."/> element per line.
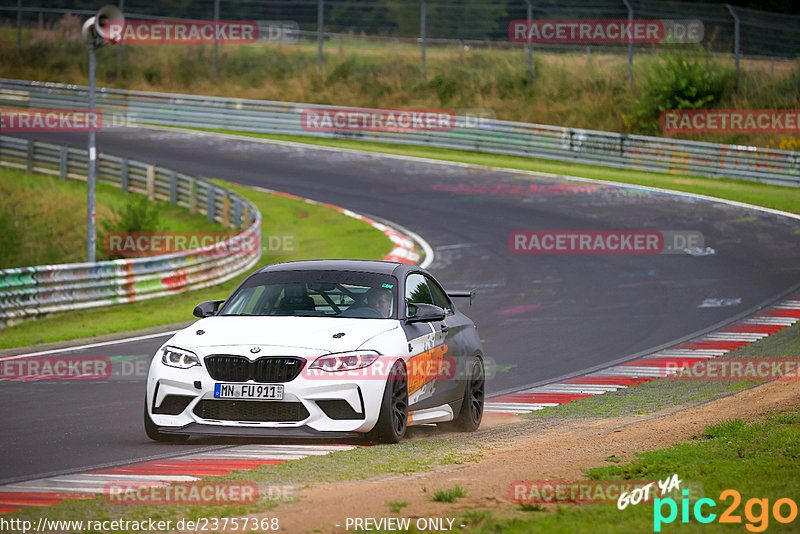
<point x="756" y="511"/>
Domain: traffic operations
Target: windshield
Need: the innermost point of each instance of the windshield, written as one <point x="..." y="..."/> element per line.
<point x="316" y="294"/>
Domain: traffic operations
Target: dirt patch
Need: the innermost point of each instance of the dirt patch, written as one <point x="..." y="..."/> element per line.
<point x="556" y="453"/>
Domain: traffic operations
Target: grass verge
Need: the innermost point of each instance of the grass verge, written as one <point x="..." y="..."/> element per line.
<point x="771" y="196"/>
<point x="43" y="219"/>
<point x="321" y="232"/>
<point x="759" y="460"/>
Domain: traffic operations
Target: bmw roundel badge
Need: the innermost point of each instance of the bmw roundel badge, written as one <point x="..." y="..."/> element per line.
<point x="255" y="350"/>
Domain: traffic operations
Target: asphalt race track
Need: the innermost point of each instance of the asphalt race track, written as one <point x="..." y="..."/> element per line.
<point x="541" y="316"/>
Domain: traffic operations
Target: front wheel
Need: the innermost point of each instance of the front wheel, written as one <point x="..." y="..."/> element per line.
<point x="471" y="413"/>
<point x="151" y="429"/>
<point x="393" y="419"/>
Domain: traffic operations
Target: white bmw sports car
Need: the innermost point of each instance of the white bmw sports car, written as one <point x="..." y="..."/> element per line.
<point x="329" y="348"/>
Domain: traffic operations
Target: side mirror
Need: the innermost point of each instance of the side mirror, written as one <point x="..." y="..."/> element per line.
<point x="207" y="308"/>
<point x="425" y="313"/>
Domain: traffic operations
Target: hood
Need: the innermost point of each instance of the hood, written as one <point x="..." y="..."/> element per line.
<point x="312" y="333"/>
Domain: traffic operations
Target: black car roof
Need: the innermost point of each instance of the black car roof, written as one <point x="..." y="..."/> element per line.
<point x="367" y="266"/>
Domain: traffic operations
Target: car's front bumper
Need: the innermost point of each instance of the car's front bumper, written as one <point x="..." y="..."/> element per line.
<point x="358" y="400"/>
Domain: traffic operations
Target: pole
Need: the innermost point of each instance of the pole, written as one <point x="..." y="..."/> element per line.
<point x="216" y="43"/>
<point x="119" y="50"/>
<point x="530" y="43"/>
<point x="736" y="42"/>
<point x="422" y="32"/>
<point x="320" y="32"/>
<point x="630" y="42"/>
<point x="92" y="164"/>
<point x="19" y="27"/>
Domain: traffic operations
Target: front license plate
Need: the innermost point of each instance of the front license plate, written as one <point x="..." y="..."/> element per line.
<point x="248" y="391"/>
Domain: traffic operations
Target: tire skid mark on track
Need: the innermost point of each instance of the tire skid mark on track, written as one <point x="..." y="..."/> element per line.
<point x="657" y="365"/>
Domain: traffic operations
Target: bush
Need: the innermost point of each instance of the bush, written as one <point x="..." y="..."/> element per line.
<point x="138" y="216"/>
<point x="680" y="82"/>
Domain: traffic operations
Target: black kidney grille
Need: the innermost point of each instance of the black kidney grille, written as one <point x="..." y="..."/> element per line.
<point x="254" y="411"/>
<point x="265" y="369"/>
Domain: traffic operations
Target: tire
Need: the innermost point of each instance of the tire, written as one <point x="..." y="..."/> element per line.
<point x="471" y="413"/>
<point x="151" y="429"/>
<point x="393" y="418"/>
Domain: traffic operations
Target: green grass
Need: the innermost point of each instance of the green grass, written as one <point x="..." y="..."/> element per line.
<point x="322" y="233"/>
<point x="43" y="219"/>
<point x="396" y="506"/>
<point x="783" y="198"/>
<point x="449" y="495"/>
<point x="760" y="460"/>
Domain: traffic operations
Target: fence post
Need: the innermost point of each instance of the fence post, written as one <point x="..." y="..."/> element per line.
<point x="736" y="42"/>
<point x="121" y="6"/>
<point x="216" y="42"/>
<point x="62" y="164"/>
<point x="173" y="188"/>
<point x="29" y="159"/>
<point x="123" y="175"/>
<point x="210" y="202"/>
<point x="19" y="27"/>
<point x="422" y="31"/>
<point x="630" y="42"/>
<point x="246" y="217"/>
<point x="530" y="43"/>
<point x="320" y="33"/>
<point x="588" y="57"/>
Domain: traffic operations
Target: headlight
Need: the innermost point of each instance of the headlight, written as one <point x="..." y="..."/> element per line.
<point x="345" y="361"/>
<point x="175" y="357"/>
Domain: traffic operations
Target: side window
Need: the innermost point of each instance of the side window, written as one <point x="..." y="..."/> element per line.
<point x="417" y="290"/>
<point x="440" y="298"/>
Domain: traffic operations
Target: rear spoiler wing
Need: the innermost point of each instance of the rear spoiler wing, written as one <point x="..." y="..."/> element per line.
<point x="463" y="294"/>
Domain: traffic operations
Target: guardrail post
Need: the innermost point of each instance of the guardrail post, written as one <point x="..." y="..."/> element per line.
<point x="29" y="159"/>
<point x="150" y="186"/>
<point x="246" y="217"/>
<point x="210" y="202"/>
<point x="237" y="213"/>
<point x="173" y="188"/>
<point x="123" y="174"/>
<point x="62" y="165"/>
<point x="192" y="196"/>
<point x="226" y="208"/>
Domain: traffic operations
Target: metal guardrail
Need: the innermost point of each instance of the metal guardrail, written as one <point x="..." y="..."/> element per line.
<point x="610" y="149"/>
<point x="27" y="292"/>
